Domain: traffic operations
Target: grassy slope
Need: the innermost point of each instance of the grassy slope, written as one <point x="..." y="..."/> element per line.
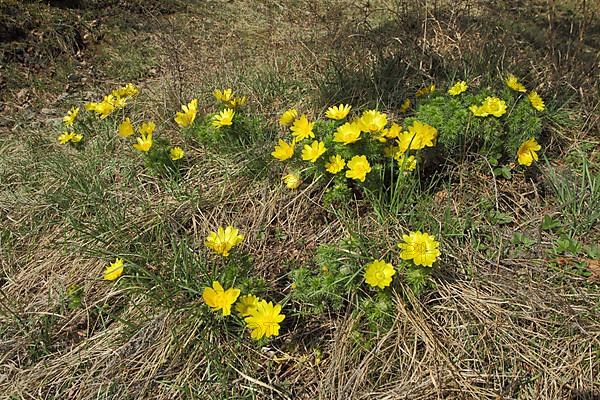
<point x="504" y="318"/>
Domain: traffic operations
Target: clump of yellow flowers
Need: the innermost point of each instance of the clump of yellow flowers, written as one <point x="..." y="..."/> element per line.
<point x="115" y="100"/>
<point x="142" y="132"/>
<point x="70" y="135"/>
<point x="421" y="248"/>
<point x="261" y="317"/>
<point x="343" y="145"/>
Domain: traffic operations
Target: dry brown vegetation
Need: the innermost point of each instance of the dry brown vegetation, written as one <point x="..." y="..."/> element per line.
<point x="503" y="321"/>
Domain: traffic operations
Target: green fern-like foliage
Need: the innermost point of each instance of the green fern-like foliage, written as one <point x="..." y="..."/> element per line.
<point x="449" y="116"/>
<point x="335" y="277"/>
<point x="377" y="310"/>
<point x="522" y="124"/>
<point x="461" y="133"/>
<point x="416" y="278"/>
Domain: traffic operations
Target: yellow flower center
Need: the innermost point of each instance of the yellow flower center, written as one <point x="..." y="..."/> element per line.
<point x="420" y="248"/>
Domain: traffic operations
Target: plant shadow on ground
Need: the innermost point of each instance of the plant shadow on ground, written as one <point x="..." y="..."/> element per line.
<point x="389" y="53"/>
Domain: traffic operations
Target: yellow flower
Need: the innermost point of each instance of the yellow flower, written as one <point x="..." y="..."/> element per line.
<point x="422" y="248"/>
<point x="125" y="128"/>
<point x="223" y="96"/>
<point x="425" y="134"/>
<point x="104" y="108"/>
<point x="187" y="117"/>
<point x="283" y="150"/>
<point x="147" y="128"/>
<point x="419" y="135"/>
<point x="219" y="299"/>
<point x="314" y="151"/>
<point x="302" y="129"/>
<point x="372" y="121"/>
<point x="338" y="112"/>
<point x="490" y="106"/>
<point x="478" y="111"/>
<point x="76" y="137"/>
<point x="144" y="143"/>
<point x="114" y="270"/>
<point x="335" y="164"/>
<point x="379" y="274"/>
<point x="458" y="88"/>
<point x="405" y="106"/>
<point x="116" y="101"/>
<point x="264" y="320"/>
<point x="347" y="133"/>
<point x="406" y="163"/>
<point x="71" y="115"/>
<point x="358" y="168"/>
<point x="107" y="105"/>
<point x="288" y="117"/>
<point x="292" y="180"/>
<point x="536" y="101"/>
<point x="65" y="137"/>
<point x="494" y="106"/>
<point x="224" y="118"/>
<point x="176" y="153"/>
<point x="128" y="90"/>
<point x="513" y="83"/>
<point x="237" y="102"/>
<point x="393" y="131"/>
<point x="527" y="152"/>
<point x="246" y="305"/>
<point x="388" y="133"/>
<point x="425" y="91"/>
<point x="223" y="240"/>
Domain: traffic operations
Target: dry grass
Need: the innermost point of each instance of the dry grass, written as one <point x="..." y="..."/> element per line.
<point x="495" y="325"/>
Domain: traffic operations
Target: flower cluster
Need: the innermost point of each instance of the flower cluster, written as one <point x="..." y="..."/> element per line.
<point x="227" y="97"/>
<point x="344" y="145"/>
<point x="230" y="103"/>
<point x="69" y="135"/>
<point x="534" y="98"/>
<point x="419" y="247"/>
<point x="490" y="106"/>
<point x="261" y="317"/>
<point x="116" y="100"/>
<point x="448" y="112"/>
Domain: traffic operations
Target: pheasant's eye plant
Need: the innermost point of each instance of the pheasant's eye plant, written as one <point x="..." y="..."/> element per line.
<point x="349" y="154"/>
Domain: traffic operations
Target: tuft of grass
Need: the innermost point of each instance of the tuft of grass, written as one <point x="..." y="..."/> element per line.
<point x="578" y="197"/>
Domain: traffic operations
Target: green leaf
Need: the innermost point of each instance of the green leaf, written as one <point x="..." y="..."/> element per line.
<point x="503" y="172"/>
<point x="549" y="223"/>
